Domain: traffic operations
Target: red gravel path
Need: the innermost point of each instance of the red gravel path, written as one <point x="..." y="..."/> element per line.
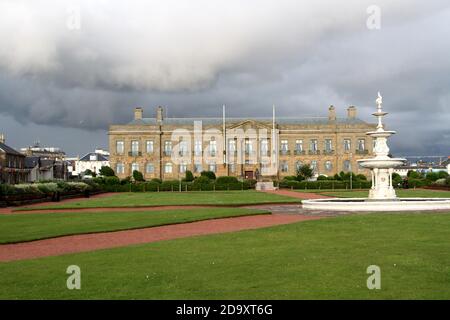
<point x="89" y="242"/>
<point x="298" y="195"/>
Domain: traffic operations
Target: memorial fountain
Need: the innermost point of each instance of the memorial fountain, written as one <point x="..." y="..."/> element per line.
<point x="382" y="195"/>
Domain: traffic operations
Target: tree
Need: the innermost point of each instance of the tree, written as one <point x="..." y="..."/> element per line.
<point x="189" y="176"/>
<point x="137" y="176"/>
<point x="414" y="174"/>
<point x="209" y="174"/>
<point x="107" y="171"/>
<point x="304" y="172"/>
<point x="89" y="172"/>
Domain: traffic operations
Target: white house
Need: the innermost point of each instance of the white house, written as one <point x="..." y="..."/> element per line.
<point x="92" y="161"/>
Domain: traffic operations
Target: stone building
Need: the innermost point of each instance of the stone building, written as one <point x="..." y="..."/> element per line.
<point x="12" y="164"/>
<point x="165" y="148"/>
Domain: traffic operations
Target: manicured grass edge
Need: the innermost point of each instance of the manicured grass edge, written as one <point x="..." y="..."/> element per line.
<point x="252" y="213"/>
<point x="220" y="205"/>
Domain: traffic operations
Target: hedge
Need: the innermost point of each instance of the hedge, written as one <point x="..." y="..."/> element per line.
<point x="317" y="185"/>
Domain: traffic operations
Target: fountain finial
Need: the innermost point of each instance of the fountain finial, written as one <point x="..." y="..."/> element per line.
<point x="379" y="100"/>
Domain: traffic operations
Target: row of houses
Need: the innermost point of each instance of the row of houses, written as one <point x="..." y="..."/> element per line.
<point x="37" y="163"/>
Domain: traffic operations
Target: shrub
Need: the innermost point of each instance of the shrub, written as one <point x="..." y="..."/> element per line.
<point x="107" y="171"/>
<point x="251" y="182"/>
<point x="304" y="172"/>
<point x="418" y="183"/>
<point x="126" y="180"/>
<point x="290" y="178"/>
<point x="48" y="188"/>
<point x="137" y="176"/>
<point x="202" y="180"/>
<point x="414" y="175"/>
<point x="156" y="180"/>
<point x="209" y="174"/>
<point x="189" y="176"/>
<point x="440" y="182"/>
<point x="447" y="181"/>
<point x="443" y="175"/>
<point x="226" y="180"/>
<point x="432" y="176"/>
<point x="361" y="177"/>
<point x="111" y="180"/>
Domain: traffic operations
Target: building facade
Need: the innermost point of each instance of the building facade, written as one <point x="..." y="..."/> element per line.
<point x="92" y="161"/>
<point x="244" y="147"/>
<point x="12" y="164"/>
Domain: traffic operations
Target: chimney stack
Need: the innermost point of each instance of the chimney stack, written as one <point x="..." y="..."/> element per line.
<point x="351" y="112"/>
<point x="2" y="138"/>
<point x="331" y="113"/>
<point x="159" y="114"/>
<point x="138" y="113"/>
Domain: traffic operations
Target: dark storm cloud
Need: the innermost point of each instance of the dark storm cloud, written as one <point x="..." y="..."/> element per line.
<point x="194" y="57"/>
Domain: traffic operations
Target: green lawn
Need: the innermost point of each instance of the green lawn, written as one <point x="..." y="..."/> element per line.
<point x="175" y="198"/>
<point x="322" y="259"/>
<point x="26" y="227"/>
<point x="402" y="193"/>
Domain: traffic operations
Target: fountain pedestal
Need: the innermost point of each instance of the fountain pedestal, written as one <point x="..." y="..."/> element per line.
<point x="382" y="166"/>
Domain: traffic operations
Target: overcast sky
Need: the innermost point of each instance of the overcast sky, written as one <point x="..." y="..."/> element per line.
<point x="68" y="69"/>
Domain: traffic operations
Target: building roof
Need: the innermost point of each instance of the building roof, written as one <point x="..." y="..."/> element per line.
<point x="99" y="157"/>
<point x="217" y="121"/>
<point x="10" y="150"/>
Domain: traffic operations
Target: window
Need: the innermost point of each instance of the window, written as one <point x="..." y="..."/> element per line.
<point x="213" y="148"/>
<point x="248" y="146"/>
<point x="134" y="146"/>
<point x="284" y="146"/>
<point x="264" y="147"/>
<point x="198" y="148"/>
<point x="120" y="147"/>
<point x="212" y="167"/>
<point x="134" y="167"/>
<point x="232" y="168"/>
<point x="168" y="167"/>
<point x="284" y="166"/>
<point x="347" y="165"/>
<point x="313" y="145"/>
<point x="183" y="148"/>
<point x="120" y="168"/>
<point x="314" y="165"/>
<point x="183" y="167"/>
<point x="167" y="148"/>
<point x="298" y="146"/>
<point x="93" y="157"/>
<point x="149" y="146"/>
<point x="361" y="144"/>
<point x="149" y="168"/>
<point x="298" y="165"/>
<point x="328" y="166"/>
<point x="328" y="145"/>
<point x="347" y="144"/>
<point x="198" y="167"/>
<point x="231" y="146"/>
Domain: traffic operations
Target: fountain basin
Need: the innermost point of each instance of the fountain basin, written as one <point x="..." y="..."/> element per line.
<point x="381" y="163"/>
<point x="364" y="204"/>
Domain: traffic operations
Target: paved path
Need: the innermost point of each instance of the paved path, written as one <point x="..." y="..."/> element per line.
<point x="89" y="242"/>
<point x="298" y="195"/>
